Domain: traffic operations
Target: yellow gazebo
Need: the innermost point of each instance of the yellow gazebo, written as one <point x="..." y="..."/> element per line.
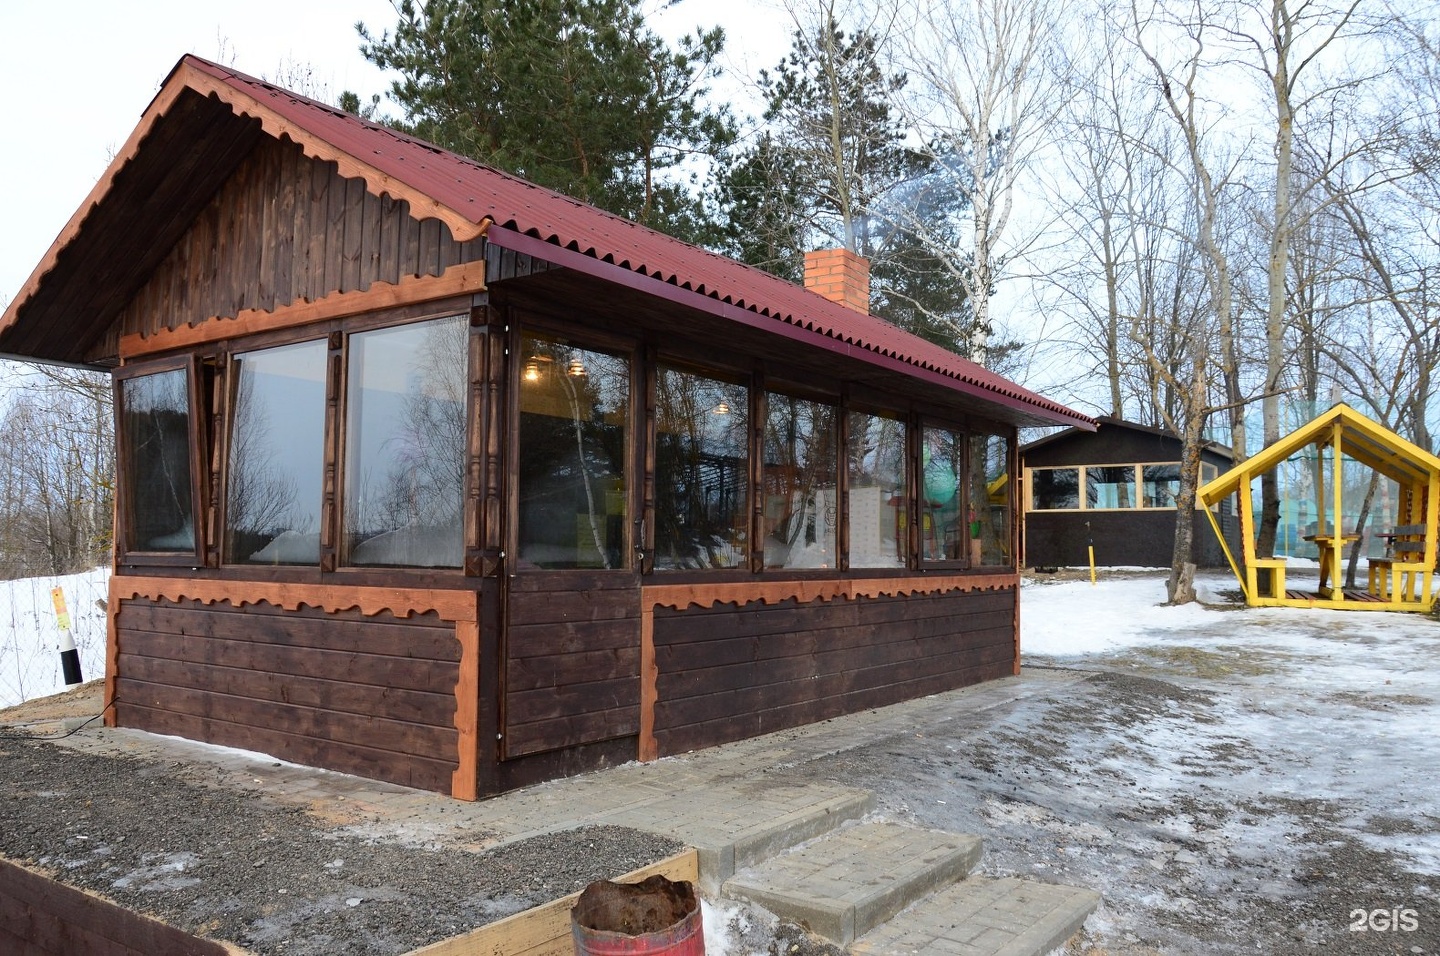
<point x="1401" y="580"/>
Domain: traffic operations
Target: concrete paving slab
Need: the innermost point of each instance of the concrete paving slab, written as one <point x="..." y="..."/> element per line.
<point x="985" y="917"/>
<point x="847" y="882"/>
<point x="737" y="824"/>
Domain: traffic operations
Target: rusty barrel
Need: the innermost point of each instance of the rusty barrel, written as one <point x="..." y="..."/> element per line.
<point x="656" y="917"/>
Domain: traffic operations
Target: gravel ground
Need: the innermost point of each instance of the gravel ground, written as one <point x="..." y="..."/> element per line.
<point x="231" y="865"/>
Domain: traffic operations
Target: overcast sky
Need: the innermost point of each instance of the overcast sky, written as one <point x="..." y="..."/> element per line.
<point x="78" y="75"/>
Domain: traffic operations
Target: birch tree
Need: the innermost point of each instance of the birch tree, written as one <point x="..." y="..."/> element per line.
<point x="982" y="102"/>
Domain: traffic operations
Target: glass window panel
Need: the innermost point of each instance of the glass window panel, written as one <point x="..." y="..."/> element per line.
<point x="876" y="472"/>
<point x="1055" y="489"/>
<point x="277" y="456"/>
<point x="942" y="456"/>
<point x="702" y="471"/>
<point x="801" y="474"/>
<point x="1159" y="485"/>
<point x="574" y="413"/>
<point x="405" y="445"/>
<point x="988" y="517"/>
<point x="156" y="435"/>
<point x="1110" y="486"/>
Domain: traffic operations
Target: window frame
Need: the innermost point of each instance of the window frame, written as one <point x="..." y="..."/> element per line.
<point x="329" y="427"/>
<point x="634" y="549"/>
<point x="198" y="455"/>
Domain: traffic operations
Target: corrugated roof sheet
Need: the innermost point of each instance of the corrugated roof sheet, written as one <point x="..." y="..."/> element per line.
<point x="471" y="193"/>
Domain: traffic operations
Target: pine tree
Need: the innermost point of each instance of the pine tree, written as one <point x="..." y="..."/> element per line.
<point x="575" y="95"/>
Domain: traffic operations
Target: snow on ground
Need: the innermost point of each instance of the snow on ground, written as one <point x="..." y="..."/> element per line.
<point x="1289" y="755"/>
<point x="30" y="635"/>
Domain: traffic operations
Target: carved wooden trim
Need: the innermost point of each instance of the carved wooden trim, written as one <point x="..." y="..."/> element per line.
<point x="682" y="596"/>
<point x="369" y="601"/>
<point x="456" y="280"/>
<point x="112" y="650"/>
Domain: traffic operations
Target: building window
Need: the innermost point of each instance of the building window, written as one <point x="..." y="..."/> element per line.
<point x="1110" y="486"/>
<point x="155" y="434"/>
<point x="276" y="455"/>
<point x="875" y="465"/>
<point x="702" y="471"/>
<point x="1054" y="489"/>
<point x="1160" y="485"/>
<point x="801" y="474"/>
<point x="988" y="515"/>
<point x="943" y="535"/>
<point x="574" y="414"/>
<point x="405" y="445"/>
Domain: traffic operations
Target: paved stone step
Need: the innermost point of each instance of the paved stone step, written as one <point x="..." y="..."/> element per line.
<point x="985" y="917"/>
<point x="737" y="825"/>
<point x="848" y="881"/>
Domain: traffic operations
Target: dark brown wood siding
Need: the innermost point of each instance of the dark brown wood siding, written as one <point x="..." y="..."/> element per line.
<point x="373" y="696"/>
<point x="284" y="228"/>
<point x="40" y="917"/>
<point x="572" y="671"/>
<point x="726" y="673"/>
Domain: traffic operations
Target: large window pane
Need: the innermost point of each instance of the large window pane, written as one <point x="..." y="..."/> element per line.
<point x="876" y="473"/>
<point x="574" y="408"/>
<point x="801" y="472"/>
<point x="277" y="455"/>
<point x="1110" y="486"/>
<point x="988" y="517"/>
<point x="405" y="445"/>
<point x="156" y="435"/>
<point x="702" y="471"/>
<point x="942" y="455"/>
<point x="1159" y="485"/>
<point x="1054" y="489"/>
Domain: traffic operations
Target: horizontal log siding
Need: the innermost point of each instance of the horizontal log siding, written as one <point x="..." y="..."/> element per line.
<point x="41" y="917"/>
<point x="726" y="673"/>
<point x="286" y="228"/>
<point x="373" y="696"/>
<point x="572" y="673"/>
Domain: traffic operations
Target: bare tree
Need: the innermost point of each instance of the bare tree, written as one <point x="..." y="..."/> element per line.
<point x="983" y="104"/>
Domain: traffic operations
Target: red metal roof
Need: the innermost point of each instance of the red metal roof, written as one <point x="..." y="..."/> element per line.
<point x="465" y="193"/>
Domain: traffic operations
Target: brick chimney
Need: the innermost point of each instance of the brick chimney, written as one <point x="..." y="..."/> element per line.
<point x="840" y="276"/>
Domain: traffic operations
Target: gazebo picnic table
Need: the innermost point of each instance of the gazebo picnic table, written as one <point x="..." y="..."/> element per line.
<point x="1402" y="579"/>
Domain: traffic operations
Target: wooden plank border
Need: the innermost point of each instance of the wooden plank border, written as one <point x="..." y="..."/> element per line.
<point x="460" y="607"/>
<point x="54" y="917"/>
<point x="459" y="279"/>
<point x="681" y="596"/>
<point x="545" y="930"/>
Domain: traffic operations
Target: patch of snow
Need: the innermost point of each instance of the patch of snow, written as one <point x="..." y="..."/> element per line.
<point x="30" y="635"/>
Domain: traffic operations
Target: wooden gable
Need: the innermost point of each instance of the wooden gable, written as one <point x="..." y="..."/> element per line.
<point x="286" y="228"/>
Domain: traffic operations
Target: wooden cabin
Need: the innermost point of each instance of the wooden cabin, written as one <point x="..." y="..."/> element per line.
<point x="433" y="476"/>
<point x="1400" y="579"/>
<point x="1114" y="488"/>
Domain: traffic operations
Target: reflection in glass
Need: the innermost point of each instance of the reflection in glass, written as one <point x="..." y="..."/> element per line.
<point x="574" y="406"/>
<point x="1160" y="484"/>
<point x="988" y="515"/>
<point x="875" y="467"/>
<point x="405" y="445"/>
<point x="800" y="483"/>
<point x="1055" y="489"/>
<point x="277" y="454"/>
<point x="702" y="471"/>
<point x="942" y="454"/>
<point x="1110" y="486"/>
<point x="156" y="435"/>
